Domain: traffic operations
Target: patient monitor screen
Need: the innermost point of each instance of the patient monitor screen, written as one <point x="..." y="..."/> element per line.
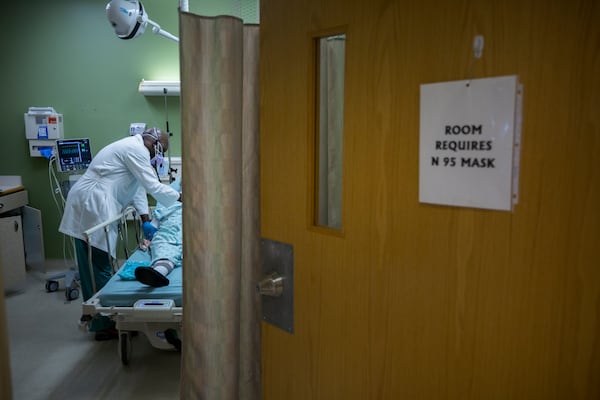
<point x="73" y="154"/>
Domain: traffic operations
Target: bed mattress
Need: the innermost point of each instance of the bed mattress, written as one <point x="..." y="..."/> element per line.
<point x="119" y="292"/>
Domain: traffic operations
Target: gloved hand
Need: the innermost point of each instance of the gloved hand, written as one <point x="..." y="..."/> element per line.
<point x="149" y="230"/>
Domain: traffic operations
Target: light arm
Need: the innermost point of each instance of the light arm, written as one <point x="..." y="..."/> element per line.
<point x="157" y="30"/>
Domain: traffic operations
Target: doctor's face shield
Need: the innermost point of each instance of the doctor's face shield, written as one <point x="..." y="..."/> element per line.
<point x="160" y="141"/>
<point x="159" y="147"/>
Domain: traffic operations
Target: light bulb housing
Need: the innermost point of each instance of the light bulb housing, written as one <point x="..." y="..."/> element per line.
<point x="159" y="88"/>
<point x="127" y="18"/>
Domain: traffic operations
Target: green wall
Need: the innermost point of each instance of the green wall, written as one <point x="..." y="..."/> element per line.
<point x="64" y="54"/>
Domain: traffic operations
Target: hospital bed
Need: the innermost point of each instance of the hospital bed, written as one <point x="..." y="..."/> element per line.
<point x="135" y="307"/>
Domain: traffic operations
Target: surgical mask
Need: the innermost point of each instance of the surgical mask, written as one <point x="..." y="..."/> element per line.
<point x="162" y="168"/>
<point x="157" y="160"/>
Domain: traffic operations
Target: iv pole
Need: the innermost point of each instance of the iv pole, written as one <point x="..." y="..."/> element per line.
<point x="171" y="169"/>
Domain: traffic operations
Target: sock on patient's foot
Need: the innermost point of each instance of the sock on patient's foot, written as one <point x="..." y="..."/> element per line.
<point x="151" y="277"/>
<point x="163" y="265"/>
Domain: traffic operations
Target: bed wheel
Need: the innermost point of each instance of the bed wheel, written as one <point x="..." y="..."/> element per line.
<point x="51" y="286"/>
<point x="124" y="347"/>
<point x="71" y="294"/>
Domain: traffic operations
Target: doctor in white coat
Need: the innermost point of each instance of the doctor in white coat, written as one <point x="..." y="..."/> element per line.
<point x="120" y="175"/>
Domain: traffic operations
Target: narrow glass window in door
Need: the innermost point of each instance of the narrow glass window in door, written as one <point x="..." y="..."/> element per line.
<point x="329" y="127"/>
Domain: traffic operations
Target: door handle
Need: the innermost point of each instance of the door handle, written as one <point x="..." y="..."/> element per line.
<point x="271" y="285"/>
<point x="276" y="284"/>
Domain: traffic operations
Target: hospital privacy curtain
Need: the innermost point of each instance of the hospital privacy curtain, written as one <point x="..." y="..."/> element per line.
<point x="219" y="104"/>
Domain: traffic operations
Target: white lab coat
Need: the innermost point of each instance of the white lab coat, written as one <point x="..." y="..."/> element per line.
<point x="120" y="175"/>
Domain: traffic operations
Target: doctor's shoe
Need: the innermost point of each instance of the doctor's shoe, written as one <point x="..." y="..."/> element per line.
<point x="84" y="323"/>
<point x="106" y="334"/>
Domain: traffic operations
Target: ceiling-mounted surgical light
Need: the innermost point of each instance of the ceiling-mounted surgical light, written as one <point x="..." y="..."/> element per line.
<point x="129" y="19"/>
<point x="159" y="88"/>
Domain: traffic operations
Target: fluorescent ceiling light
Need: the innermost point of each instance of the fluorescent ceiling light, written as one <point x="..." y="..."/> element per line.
<point x="159" y="88"/>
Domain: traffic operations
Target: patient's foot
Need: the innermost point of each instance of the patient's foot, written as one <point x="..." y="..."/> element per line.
<point x="151" y="277"/>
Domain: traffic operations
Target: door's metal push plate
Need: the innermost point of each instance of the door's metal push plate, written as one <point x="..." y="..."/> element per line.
<point x="277" y="284"/>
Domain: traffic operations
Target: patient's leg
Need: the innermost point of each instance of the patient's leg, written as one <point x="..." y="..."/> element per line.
<point x="155" y="275"/>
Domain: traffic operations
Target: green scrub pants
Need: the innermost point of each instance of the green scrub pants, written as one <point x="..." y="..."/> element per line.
<point x="102" y="273"/>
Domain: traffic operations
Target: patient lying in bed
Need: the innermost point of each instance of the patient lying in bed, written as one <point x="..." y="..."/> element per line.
<point x="166" y="247"/>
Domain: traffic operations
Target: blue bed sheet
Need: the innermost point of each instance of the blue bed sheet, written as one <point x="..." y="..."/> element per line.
<point x="119" y="292"/>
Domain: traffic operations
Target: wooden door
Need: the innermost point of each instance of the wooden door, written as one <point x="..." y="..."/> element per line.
<point x="416" y="301"/>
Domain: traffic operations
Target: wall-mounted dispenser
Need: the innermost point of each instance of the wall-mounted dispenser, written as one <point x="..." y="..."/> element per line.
<point x="43" y="125"/>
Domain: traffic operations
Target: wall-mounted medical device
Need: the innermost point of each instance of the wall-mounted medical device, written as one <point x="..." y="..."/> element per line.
<point x="137" y="128"/>
<point x="73" y="155"/>
<point x="43" y="125"/>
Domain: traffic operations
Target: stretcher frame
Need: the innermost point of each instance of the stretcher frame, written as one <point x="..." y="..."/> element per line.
<point x="160" y="320"/>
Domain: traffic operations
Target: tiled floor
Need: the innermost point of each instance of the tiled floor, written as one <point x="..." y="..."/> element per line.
<point x="52" y="359"/>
